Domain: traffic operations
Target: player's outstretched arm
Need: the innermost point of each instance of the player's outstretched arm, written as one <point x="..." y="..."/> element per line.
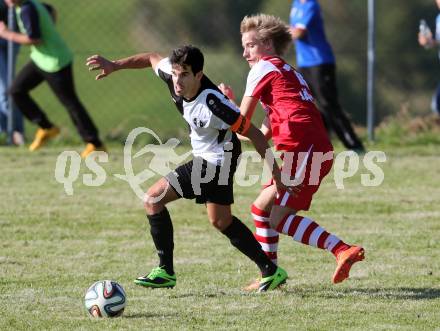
<point x="138" y="61"/>
<point x="248" y="106"/>
<point x="266" y="128"/>
<point x="427" y="40"/>
<point x="261" y="146"/>
<point x="16" y="37"/>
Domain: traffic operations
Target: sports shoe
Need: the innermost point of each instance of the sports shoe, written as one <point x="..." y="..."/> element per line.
<point x="345" y="260"/>
<point x="42" y="136"/>
<point x="157" y="278"/>
<point x="253" y="286"/>
<point x="272" y="282"/>
<point x="90" y="148"/>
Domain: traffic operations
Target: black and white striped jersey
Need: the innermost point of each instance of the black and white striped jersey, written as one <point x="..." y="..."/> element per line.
<point x="209" y="115"/>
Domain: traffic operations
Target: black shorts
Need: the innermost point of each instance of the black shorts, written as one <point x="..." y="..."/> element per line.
<point x="203" y="181"/>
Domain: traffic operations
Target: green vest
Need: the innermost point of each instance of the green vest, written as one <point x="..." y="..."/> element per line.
<point x="52" y="53"/>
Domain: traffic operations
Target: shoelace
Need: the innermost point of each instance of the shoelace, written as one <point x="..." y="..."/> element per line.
<point x="155" y="272"/>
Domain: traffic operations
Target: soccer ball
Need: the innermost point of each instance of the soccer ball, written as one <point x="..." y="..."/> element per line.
<point x="105" y="298"/>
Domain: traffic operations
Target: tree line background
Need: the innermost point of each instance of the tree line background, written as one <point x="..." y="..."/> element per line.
<point x="406" y="74"/>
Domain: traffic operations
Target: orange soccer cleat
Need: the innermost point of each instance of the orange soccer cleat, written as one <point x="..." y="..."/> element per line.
<point x="90" y="148"/>
<point x="345" y="260"/>
<point x="42" y="136"/>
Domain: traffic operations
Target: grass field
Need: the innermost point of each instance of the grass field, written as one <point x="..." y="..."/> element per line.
<point x="53" y="246"/>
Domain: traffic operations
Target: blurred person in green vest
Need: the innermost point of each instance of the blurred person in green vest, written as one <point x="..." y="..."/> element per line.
<point x="51" y="61"/>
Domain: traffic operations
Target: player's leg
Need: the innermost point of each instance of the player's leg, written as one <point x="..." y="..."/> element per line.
<point x="3" y="90"/>
<point x="61" y="83"/>
<point x="306" y="231"/>
<point x="260" y="211"/>
<point x="311" y="76"/>
<point x="329" y="100"/>
<point x="264" y="234"/>
<point x="284" y="216"/>
<point x="241" y="237"/>
<point x="161" y="229"/>
<point x="26" y="80"/>
<point x="435" y="104"/>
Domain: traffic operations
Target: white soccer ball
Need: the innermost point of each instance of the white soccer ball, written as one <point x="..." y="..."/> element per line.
<point x="105" y="298"/>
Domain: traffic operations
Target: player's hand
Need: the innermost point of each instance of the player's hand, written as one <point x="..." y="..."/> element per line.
<point x="227" y="90"/>
<point x="97" y="62"/>
<point x="425" y="41"/>
<point x="292" y="190"/>
<point x="295" y="190"/>
<point x="243" y="138"/>
<point x="3" y="27"/>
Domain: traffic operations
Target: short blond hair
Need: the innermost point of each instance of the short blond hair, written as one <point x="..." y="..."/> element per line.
<point x="268" y="27"/>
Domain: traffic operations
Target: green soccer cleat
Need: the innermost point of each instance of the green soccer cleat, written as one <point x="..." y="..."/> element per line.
<point x="272" y="282"/>
<point x="157" y="278"/>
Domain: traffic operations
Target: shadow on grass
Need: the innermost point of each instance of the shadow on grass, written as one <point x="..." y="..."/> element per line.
<point x="199" y="295"/>
<point x="396" y="293"/>
<point x="147" y="315"/>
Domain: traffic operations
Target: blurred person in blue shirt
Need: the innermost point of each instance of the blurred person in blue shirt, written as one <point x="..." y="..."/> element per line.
<point x="427" y="40"/>
<point x="17" y="120"/>
<point x="316" y="62"/>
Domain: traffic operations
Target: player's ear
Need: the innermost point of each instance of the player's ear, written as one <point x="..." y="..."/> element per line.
<point x="268" y="44"/>
<point x="199" y="75"/>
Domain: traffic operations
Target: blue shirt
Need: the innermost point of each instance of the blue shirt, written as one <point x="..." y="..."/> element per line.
<point x="313" y="49"/>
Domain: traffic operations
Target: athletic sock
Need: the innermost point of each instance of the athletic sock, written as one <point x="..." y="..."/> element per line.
<point x="267" y="237"/>
<point x="306" y="231"/>
<point x="161" y="229"/>
<point x="241" y="238"/>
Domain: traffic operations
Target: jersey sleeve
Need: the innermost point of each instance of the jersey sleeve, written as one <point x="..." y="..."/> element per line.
<point x="31" y="22"/>
<point x="224" y="112"/>
<point x="259" y="77"/>
<point x="163" y="69"/>
<point x="225" y="115"/>
<point x="310" y="9"/>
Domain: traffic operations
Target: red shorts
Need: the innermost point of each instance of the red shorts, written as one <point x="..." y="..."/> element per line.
<point x="307" y="164"/>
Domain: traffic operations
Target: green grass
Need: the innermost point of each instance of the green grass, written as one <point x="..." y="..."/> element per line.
<point x="53" y="246"/>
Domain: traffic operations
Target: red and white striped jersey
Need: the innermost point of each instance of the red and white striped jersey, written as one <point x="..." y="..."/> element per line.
<point x="286" y="97"/>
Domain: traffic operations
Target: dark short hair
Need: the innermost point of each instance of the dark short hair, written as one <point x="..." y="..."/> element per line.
<point x="188" y="55"/>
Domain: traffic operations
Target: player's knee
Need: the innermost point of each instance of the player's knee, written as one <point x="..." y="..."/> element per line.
<point x="152" y="202"/>
<point x="278" y="214"/>
<point x="220" y="223"/>
<point x="274" y="222"/>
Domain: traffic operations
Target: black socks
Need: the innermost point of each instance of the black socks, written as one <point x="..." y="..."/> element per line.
<point x="239" y="235"/>
<point x="162" y="233"/>
<point x="243" y="239"/>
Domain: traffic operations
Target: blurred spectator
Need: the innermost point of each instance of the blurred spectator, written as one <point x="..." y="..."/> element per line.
<point x="426" y="40"/>
<point x="51" y="61"/>
<point x="316" y="62"/>
<point x="17" y="120"/>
